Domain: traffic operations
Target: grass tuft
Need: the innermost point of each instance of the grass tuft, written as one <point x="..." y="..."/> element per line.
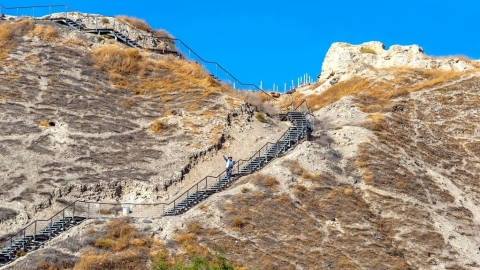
<point x="136" y="22"/>
<point x="158" y="126"/>
<point x="367" y="50"/>
<point x="261" y="117"/>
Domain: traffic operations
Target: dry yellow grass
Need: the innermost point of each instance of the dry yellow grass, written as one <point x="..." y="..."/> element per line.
<point x="216" y="134"/>
<point x="367" y="50"/>
<point x="44" y="124"/>
<point x="33" y="59"/>
<point x="122" y="247"/>
<point x="130" y="69"/>
<point x="113" y="59"/>
<point x="191" y="107"/>
<point x="295" y="98"/>
<point x="375" y="96"/>
<point x="10" y="31"/>
<point x="135" y="22"/>
<point x="336" y="92"/>
<point x="158" y="126"/>
<point x="47" y="33"/>
<point x="162" y="33"/>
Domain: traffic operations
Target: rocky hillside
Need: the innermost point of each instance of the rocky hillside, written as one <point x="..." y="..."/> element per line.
<point x="88" y="118"/>
<point x="388" y="181"/>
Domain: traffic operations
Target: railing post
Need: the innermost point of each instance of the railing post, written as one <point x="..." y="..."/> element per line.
<point x="174" y="208"/>
<point x="96" y="23"/>
<point x="33" y="8"/>
<point x="50" y="231"/>
<point x="73" y="212"/>
<point x="10" y="252"/>
<point x="35" y="231"/>
<point x="259" y="159"/>
<point x="196" y="196"/>
<point x="23" y="242"/>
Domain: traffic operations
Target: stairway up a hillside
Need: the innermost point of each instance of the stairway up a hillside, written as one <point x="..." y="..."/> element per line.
<point x="39" y="232"/>
<point x="301" y="125"/>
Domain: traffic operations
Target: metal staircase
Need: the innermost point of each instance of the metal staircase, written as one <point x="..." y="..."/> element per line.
<point x="38" y="232"/>
<point x="302" y="123"/>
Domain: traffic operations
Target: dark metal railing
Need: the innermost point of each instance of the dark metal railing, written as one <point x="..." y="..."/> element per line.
<point x="44" y="227"/>
<point x="146" y="41"/>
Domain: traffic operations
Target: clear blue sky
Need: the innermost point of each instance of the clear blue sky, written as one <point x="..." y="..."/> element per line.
<point x="277" y="41"/>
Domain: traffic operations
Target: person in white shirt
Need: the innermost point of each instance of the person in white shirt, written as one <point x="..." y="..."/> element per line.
<point x="229" y="166"/>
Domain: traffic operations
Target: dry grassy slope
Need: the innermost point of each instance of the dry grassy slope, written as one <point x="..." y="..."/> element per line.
<point x="414" y="206"/>
<point x="103" y="145"/>
<point x="408" y="137"/>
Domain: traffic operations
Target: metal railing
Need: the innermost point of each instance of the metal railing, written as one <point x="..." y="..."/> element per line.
<point x="99" y="210"/>
<point x="148" y="41"/>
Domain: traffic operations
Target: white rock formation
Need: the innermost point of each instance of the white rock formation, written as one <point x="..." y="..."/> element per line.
<point x="344" y="60"/>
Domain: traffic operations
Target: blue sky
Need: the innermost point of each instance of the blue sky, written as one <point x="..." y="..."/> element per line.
<point x="278" y="41"/>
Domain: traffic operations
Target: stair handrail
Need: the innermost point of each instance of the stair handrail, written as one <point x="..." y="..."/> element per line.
<point x="143" y="35"/>
<point x="292" y="105"/>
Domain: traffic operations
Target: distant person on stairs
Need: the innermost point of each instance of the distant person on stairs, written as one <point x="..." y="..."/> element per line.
<point x="229" y="166"/>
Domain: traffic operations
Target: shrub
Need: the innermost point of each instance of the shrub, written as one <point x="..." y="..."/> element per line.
<point x="300" y="191"/>
<point x="237" y="222"/>
<point x="20" y="253"/>
<point x="245" y="190"/>
<point x="104" y="243"/>
<point x="158" y="126"/>
<point x="265" y="180"/>
<point x="185" y="238"/>
<point x="105" y="21"/>
<point x="194" y="227"/>
<point x="261" y="117"/>
<point x="50" y="34"/>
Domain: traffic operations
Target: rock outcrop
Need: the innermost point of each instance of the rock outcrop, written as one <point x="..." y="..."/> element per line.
<point x="344" y="60"/>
